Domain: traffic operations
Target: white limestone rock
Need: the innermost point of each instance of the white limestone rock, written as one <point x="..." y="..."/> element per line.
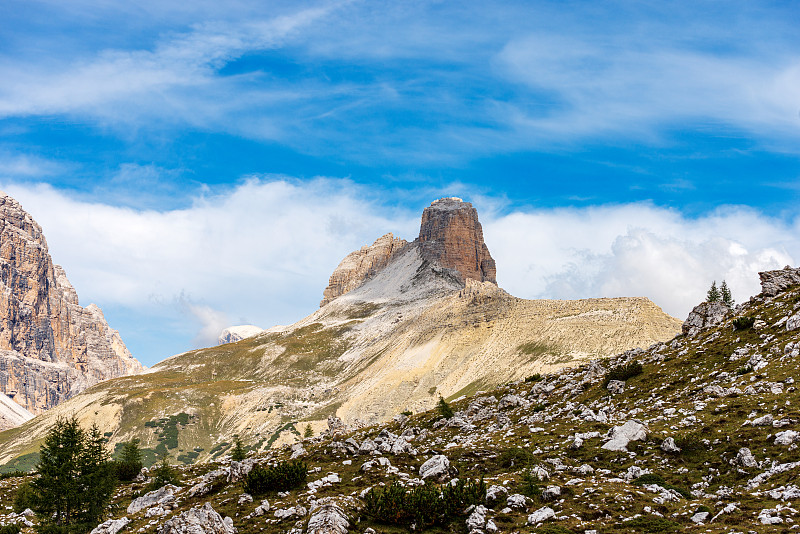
<point x="198" y="520"/>
<point x="112" y="526"/>
<point x="232" y="334"/>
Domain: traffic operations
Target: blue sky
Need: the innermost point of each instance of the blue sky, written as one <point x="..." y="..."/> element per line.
<point x="657" y="142"/>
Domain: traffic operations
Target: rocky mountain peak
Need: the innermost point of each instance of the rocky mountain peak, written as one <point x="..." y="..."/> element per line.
<point x="451" y="235"/>
<point x="50" y="347"/>
<point x="361" y="265"/>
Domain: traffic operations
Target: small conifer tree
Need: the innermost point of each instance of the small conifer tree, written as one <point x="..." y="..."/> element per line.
<point x="713" y="294"/>
<point x="309" y="432"/>
<point x="75" y="479"/>
<point x="444" y="409"/>
<point x="725" y="295"/>
<point x="238" y="453"/>
<point x="130" y="462"/>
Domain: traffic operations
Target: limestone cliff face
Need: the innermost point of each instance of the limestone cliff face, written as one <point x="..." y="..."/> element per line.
<point x="359" y="266"/>
<point x="50" y="347"/>
<point x="451" y="235"/>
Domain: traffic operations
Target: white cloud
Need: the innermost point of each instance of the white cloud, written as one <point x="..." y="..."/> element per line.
<point x="638" y="250"/>
<point x="262" y="252"/>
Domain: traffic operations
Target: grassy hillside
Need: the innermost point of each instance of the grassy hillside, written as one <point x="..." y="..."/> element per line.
<point x="701" y="401"/>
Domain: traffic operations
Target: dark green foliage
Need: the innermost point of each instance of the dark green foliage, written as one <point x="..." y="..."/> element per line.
<point x="444" y="409"/>
<point x="282" y="477"/>
<point x="539" y="408"/>
<point x="702" y="508"/>
<point x="162" y="475"/>
<point x="422" y="505"/>
<point x="725" y="295"/>
<point x="25" y="463"/>
<point x="407" y="413"/>
<point x="24" y="498"/>
<point x="75" y="478"/>
<point x="309" y="432"/>
<point x="531" y="485"/>
<point x="10" y="529"/>
<point x="238" y="454"/>
<point x="188" y="457"/>
<point x="515" y="457"/>
<point x="713" y="294"/>
<point x="743" y="370"/>
<point x="129" y="464"/>
<point x="534" y="378"/>
<point x="744" y="323"/>
<point x="623" y="372"/>
<point x="651" y="524"/>
<point x="553" y="529"/>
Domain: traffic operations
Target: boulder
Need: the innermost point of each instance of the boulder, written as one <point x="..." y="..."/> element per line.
<point x="775" y="282"/>
<point x="704" y="316"/>
<point x="112" y="526"/>
<point x="616" y="387"/>
<point x="159" y="497"/>
<point x="793" y="322"/>
<point x="540" y="515"/>
<point x="477" y="519"/>
<point x="620" y="436"/>
<point x="745" y="458"/>
<point x="327" y="519"/>
<point x="668" y="445"/>
<point x="198" y="520"/>
<point x="437" y="468"/>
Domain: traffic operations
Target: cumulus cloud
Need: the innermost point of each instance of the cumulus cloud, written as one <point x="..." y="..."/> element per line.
<point x="262" y="252"/>
<point x="638" y="250"/>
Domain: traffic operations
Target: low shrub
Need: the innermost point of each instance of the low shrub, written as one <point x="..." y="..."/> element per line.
<point x="423" y="506"/>
<point x="743" y="323"/>
<point x="10" y="529"/>
<point x="515" y="457"/>
<point x="649" y="523"/>
<point x="24" y="498"/>
<point x="553" y="529"/>
<point x="162" y="475"/>
<point x="623" y="372"/>
<point x="531" y="485"/>
<point x="282" y="477"/>
<point x="534" y="378"/>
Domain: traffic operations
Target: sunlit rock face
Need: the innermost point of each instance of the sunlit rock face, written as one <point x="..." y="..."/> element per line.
<point x="451" y="235"/>
<point x="50" y="347"/>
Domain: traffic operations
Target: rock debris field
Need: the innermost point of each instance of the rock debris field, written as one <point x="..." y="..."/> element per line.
<point x="698" y="434"/>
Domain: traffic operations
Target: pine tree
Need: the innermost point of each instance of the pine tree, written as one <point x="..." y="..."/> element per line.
<point x="238" y="453"/>
<point x="75" y="478"/>
<point x="309" y="432"/>
<point x="129" y="464"/>
<point x="713" y="294"/>
<point x="444" y="409"/>
<point x="725" y="295"/>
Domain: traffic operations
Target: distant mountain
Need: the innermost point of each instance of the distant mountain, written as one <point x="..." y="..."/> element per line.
<point x="407" y="322"/>
<point x="51" y="348"/>
<point x="696" y="434"/>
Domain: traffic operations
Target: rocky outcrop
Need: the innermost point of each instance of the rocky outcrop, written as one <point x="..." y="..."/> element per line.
<point x="451" y="235"/>
<point x="361" y="265"/>
<point x="232" y="334"/>
<point x="774" y="282"/>
<point x="198" y="520"/>
<point x="705" y="315"/>
<point x="50" y="347"/>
